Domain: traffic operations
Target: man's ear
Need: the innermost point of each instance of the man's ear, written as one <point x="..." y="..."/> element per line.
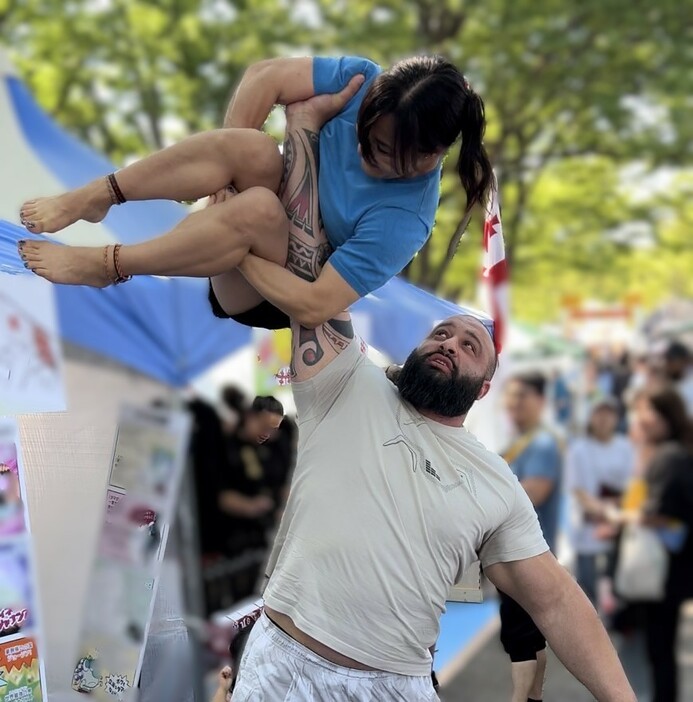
<point x="484" y="389"/>
<point x="392" y="372"/>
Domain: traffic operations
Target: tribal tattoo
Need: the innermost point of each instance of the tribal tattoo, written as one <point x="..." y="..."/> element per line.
<point x="300" y="202"/>
<point x="338" y="333"/>
<point x="308" y="246"/>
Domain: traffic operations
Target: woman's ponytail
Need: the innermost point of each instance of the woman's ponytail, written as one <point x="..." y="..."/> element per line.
<point x="473" y="166"/>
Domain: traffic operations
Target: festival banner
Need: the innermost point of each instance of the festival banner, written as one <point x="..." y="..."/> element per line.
<point x="146" y="468"/>
<point x="30" y="351"/>
<point x="21" y="672"/>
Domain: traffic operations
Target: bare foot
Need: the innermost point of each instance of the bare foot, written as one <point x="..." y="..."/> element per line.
<point x="51" y="214"/>
<point x="69" y="265"/>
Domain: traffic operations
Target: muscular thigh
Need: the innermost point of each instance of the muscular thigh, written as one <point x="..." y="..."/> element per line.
<point x="233" y="292"/>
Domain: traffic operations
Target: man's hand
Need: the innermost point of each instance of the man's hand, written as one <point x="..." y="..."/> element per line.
<point x="317" y="110"/>
<point x="225" y="678"/>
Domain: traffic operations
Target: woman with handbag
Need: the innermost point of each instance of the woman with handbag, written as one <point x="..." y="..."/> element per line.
<point x="660" y="419"/>
<point x="599" y="467"/>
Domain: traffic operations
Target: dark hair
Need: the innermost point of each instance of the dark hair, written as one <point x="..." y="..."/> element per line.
<point x="267" y="404"/>
<point x="669" y="405"/>
<point x="533" y="380"/>
<point x="432" y="105"/>
<point x="234" y="399"/>
<point x="677" y="351"/>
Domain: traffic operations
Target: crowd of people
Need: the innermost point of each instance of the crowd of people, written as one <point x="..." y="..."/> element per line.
<point x="617" y="440"/>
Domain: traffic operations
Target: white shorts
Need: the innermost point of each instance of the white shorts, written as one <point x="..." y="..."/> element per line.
<point x="276" y="668"/>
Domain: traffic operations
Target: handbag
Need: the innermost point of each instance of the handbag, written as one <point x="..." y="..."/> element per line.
<point x="643" y="565"/>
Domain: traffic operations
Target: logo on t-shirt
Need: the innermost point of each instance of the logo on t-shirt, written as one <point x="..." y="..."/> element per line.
<point x="418" y="460"/>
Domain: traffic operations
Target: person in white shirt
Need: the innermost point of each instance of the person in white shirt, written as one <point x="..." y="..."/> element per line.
<point x="598" y="468"/>
<point x="391" y="501"/>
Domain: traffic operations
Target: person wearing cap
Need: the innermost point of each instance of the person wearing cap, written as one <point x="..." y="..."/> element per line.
<point x="678" y="367"/>
<point x="391" y="500"/>
<point x="599" y="467"/>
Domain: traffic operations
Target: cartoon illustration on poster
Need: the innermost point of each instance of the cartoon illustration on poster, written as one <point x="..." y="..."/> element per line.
<point x="30" y="352"/>
<point x="11" y="507"/>
<point x="20" y="676"/>
<point x="86" y="678"/>
<point x="16" y="597"/>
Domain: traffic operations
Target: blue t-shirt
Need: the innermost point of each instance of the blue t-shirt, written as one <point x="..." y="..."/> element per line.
<point x="375" y="226"/>
<point x="542" y="459"/>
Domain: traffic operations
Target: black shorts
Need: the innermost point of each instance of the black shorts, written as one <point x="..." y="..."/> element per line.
<point x="265" y="315"/>
<point x="519" y="634"/>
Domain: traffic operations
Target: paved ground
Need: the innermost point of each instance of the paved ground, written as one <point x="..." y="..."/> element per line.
<point x="485" y="675"/>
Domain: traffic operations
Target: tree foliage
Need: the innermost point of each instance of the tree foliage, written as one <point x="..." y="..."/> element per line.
<point x="578" y="95"/>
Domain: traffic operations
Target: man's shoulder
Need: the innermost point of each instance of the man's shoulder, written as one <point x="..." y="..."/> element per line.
<point x="485" y="457"/>
<point x="545" y="440"/>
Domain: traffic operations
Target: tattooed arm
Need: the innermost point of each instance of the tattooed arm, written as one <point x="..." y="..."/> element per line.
<point x="313" y="346"/>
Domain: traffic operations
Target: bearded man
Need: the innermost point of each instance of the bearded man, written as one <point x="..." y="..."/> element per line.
<point x="391" y="500"/>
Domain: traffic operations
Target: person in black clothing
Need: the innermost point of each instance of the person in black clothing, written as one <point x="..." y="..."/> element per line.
<point x="208" y="458"/>
<point x="252" y="487"/>
<point x="661" y="418"/>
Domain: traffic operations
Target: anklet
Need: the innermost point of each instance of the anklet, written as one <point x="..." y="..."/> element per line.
<point x="120" y="277"/>
<point x="106" y="268"/>
<point x="117" y="197"/>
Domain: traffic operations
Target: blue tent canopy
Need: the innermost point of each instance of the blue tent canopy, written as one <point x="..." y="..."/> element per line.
<point x="161" y="327"/>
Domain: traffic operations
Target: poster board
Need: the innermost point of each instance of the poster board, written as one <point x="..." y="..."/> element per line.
<point x="22" y="677"/>
<point x="31" y="364"/>
<point x="146" y="468"/>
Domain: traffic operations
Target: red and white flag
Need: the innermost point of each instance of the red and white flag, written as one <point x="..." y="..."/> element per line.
<point x="495" y="268"/>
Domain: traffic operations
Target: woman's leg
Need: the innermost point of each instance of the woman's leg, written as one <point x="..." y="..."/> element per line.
<point x="196" y="167"/>
<point x="661" y="626"/>
<point x="205" y="244"/>
<point x="587" y="575"/>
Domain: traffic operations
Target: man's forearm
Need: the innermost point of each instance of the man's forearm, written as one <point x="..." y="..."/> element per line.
<point x="308" y="249"/>
<point x="577" y="636"/>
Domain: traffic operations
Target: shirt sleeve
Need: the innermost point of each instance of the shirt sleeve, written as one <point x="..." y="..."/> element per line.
<point x="330" y="75"/>
<point x="578" y="471"/>
<point x="385" y="240"/>
<point x="542" y="459"/>
<point x="316" y="396"/>
<point x="518" y="537"/>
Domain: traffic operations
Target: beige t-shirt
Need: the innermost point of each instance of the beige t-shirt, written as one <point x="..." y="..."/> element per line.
<point x="387" y="509"/>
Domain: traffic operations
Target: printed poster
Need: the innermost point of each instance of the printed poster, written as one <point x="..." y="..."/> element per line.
<point x="146" y="468"/>
<point x="31" y="365"/>
<point x="21" y="672"/>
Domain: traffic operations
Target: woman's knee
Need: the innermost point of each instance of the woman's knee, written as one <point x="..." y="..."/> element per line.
<point x="262" y="214"/>
<point x="257" y="158"/>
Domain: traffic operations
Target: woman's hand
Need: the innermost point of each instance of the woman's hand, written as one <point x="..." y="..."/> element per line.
<point x="225" y="680"/>
<point x="317" y="110"/>
<point x="221" y="195"/>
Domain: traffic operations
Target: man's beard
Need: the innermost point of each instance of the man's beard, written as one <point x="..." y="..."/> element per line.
<point x="429" y="389"/>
